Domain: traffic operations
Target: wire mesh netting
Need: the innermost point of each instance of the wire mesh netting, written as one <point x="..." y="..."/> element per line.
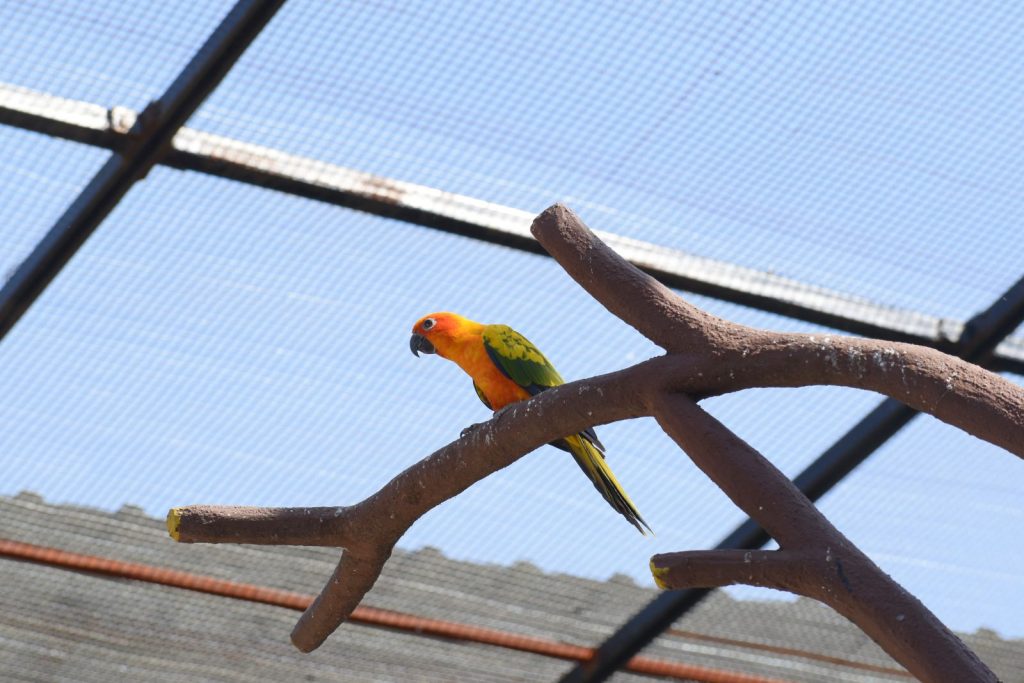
<point x="41" y="176"/>
<point x="834" y="146"/>
<point x="261" y="338"/>
<point x="109" y="53"/>
<point x="931" y="489"/>
<point x="220" y="342"/>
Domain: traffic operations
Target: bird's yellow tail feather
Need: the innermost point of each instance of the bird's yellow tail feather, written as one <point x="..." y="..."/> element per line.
<point x="593" y="464"/>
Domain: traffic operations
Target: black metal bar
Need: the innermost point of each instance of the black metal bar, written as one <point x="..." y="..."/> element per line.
<point x="272" y="169"/>
<point x="977" y="344"/>
<point x="89" y="126"/>
<point x="151" y="137"/>
<point x="983" y="333"/>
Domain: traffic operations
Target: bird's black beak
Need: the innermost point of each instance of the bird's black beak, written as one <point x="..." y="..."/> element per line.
<point x="420" y="343"/>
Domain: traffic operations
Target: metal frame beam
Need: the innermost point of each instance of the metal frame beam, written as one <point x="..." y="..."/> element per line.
<point x="144" y="143"/>
<point x="265" y="167"/>
<point x="981" y="336"/>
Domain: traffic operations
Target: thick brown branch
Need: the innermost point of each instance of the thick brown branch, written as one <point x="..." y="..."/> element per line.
<point x="627" y="292"/>
<point x="327" y="526"/>
<point x="722" y="356"/>
<point x="967" y="396"/>
<point x="753" y="483"/>
<point x="352" y="578"/>
<point x="718" y="568"/>
<point x="842" y="576"/>
<point x="707" y="356"/>
<point x="369" y="530"/>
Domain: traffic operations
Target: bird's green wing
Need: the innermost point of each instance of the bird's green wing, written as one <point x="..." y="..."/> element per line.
<point x="519" y="360"/>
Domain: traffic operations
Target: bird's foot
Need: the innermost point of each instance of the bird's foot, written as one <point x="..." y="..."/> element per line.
<point x="469" y="430"/>
<point x="498" y="413"/>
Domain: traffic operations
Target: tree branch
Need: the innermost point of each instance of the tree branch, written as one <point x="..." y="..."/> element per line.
<point x="724" y="356"/>
<point x="352" y="578"/>
<point x="706" y="356"/>
<point x="261" y="526"/>
<point x="718" y="568"/>
<point x="369" y="530"/>
<point x="815" y="559"/>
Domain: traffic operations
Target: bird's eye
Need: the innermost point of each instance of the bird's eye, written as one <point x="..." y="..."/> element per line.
<point x="428" y="323"/>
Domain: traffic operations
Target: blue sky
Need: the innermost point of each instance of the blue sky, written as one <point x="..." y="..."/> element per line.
<point x="215" y="342"/>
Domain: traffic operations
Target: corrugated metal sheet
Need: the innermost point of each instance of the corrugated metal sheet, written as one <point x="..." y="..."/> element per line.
<point x="59" y="625"/>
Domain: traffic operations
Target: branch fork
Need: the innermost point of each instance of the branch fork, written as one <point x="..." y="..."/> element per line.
<point x="706" y="356"/>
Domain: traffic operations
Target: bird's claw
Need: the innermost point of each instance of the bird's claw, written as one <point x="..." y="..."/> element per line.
<point x="501" y="411"/>
<point x="468" y="430"/>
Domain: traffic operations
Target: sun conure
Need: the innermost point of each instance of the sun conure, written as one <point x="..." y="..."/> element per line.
<point x="506" y="368"/>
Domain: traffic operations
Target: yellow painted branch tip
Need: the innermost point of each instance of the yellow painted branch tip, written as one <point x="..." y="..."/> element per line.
<point x="173" y="522"/>
<point x="660" y="574"/>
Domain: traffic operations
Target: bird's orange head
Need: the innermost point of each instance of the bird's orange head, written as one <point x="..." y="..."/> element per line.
<point x="438" y="332"/>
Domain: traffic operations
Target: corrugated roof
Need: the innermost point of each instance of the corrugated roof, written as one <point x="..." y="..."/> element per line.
<point x="61" y="625"/>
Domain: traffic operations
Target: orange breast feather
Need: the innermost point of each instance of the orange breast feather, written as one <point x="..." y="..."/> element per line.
<point x="495" y="385"/>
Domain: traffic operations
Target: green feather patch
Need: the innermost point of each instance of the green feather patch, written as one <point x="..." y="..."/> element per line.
<point x="519" y="360"/>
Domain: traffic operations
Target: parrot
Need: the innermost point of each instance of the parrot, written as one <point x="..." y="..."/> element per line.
<point x="505" y="368"/>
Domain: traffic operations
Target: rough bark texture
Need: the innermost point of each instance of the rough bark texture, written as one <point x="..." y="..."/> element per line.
<point x="705" y="356"/>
